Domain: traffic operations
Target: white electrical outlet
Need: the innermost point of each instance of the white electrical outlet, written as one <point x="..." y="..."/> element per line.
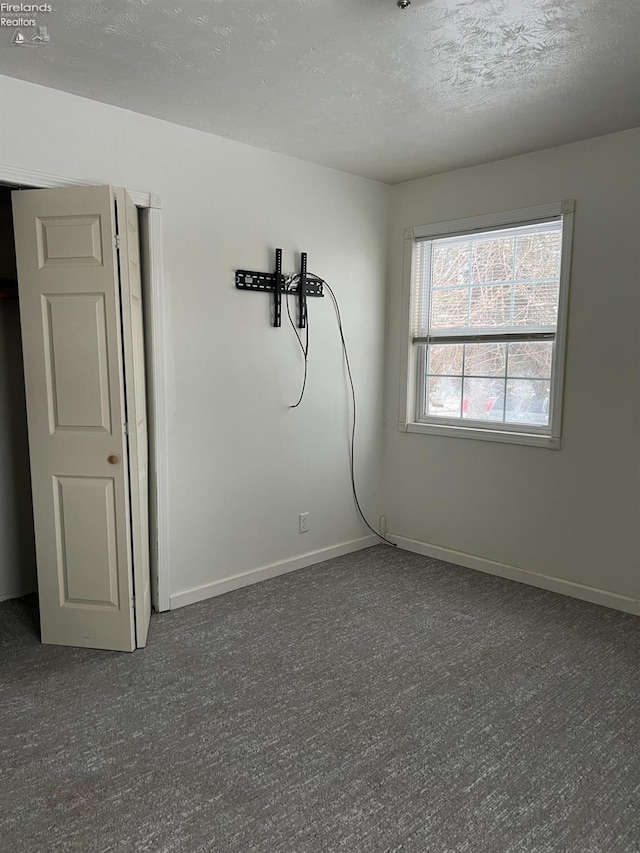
<point x="303" y="522"/>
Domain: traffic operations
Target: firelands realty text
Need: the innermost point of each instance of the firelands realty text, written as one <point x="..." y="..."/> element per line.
<point x="17" y="8"/>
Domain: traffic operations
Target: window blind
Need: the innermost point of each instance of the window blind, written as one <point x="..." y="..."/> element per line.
<point x="498" y="285"/>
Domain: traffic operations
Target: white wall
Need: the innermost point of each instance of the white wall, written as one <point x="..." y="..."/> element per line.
<point x="242" y="464"/>
<point x="571" y="514"/>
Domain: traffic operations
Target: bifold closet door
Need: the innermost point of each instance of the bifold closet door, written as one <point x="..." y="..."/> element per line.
<point x="72" y="331"/>
<point x="135" y="396"/>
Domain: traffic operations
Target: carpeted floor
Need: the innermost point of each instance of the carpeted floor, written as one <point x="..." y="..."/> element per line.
<point x="378" y="702"/>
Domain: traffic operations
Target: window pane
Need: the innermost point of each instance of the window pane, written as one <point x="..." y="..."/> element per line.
<point x="527" y="401"/>
<point x="535" y="304"/>
<point x="445" y="360"/>
<point x="449" y="309"/>
<point x="490" y="306"/>
<point x="443" y="396"/>
<point x="451" y="264"/>
<point x="485" y="359"/>
<point x="530" y="359"/>
<point x="495" y="407"/>
<point x="480" y="396"/>
<point x="493" y="259"/>
<point x="538" y="255"/>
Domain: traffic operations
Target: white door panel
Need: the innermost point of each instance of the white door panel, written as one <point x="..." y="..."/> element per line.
<point x="74" y="379"/>
<point x="85" y="519"/>
<point x="77" y="390"/>
<point x="133" y="337"/>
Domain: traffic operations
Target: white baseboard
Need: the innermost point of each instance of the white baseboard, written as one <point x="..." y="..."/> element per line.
<point x="5" y="596"/>
<point x="209" y="590"/>
<point x="491" y="567"/>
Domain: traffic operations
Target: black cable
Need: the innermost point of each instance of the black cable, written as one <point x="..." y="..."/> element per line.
<point x="353" y="424"/>
<point x="287" y="292"/>
<point x="304" y="348"/>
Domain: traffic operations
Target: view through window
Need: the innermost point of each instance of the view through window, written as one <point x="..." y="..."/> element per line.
<point x="485" y="316"/>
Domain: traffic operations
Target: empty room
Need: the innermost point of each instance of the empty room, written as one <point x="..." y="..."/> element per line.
<point x="319" y="426"/>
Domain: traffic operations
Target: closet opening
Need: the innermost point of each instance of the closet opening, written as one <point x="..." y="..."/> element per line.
<point x="17" y="542"/>
<point x="80" y="572"/>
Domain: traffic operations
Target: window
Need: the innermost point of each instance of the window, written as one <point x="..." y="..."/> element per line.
<point x="488" y="306"/>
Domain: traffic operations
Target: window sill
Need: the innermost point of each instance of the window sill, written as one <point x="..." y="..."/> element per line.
<point x="500" y="436"/>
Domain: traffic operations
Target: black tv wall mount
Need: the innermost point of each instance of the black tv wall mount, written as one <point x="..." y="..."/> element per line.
<point x="275" y="282"/>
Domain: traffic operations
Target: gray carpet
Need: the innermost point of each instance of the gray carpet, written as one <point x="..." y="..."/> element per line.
<point x="378" y="702"/>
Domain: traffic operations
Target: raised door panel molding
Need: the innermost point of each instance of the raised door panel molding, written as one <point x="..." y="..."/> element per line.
<point x="69" y="241"/>
<point x="76" y="362"/>
<point x="85" y="520"/>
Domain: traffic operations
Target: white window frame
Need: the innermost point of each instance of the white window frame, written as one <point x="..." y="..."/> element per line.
<point x="412" y="362"/>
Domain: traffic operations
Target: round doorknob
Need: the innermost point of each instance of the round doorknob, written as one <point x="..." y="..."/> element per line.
<point x="113" y="460"/>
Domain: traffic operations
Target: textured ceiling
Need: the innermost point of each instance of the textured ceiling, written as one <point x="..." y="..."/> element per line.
<point x="354" y="84"/>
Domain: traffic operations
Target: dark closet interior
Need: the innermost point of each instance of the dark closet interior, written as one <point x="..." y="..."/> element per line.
<point x="17" y="548"/>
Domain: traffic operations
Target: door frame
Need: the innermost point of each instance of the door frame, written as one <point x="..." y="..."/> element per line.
<point x="155" y="350"/>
